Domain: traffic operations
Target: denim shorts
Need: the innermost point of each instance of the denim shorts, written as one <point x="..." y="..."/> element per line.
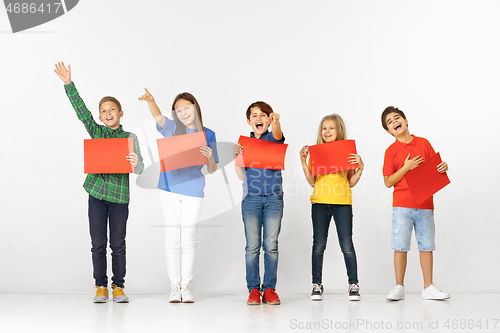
<point x="403" y="221"/>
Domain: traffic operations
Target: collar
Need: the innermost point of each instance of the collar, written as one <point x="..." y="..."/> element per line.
<point x="118" y="130"/>
<point x="252" y="134"/>
<point x="413" y="142"/>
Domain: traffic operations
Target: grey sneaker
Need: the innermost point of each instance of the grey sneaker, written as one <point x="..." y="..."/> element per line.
<point x="317" y="292"/>
<point x="101" y="294"/>
<point x="354" y="292"/>
<point x="118" y="295"/>
<point x="432" y="292"/>
<point x="187" y="296"/>
<point x="175" y="293"/>
<point x="397" y="293"/>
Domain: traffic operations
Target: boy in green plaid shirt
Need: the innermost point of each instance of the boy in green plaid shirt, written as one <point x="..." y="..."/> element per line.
<point x="108" y="193"/>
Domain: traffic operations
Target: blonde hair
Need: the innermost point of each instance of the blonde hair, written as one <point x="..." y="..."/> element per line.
<point x="339" y="127"/>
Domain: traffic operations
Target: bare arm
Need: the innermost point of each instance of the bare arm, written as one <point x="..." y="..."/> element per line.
<point x="240" y="171"/>
<point x="311" y="180"/>
<point x="155" y="110"/>
<point x="352" y="175"/>
<point x="276" y="126"/>
<point x="207" y="152"/>
<point x="393" y="179"/>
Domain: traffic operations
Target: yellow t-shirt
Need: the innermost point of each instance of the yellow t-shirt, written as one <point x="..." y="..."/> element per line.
<point x="332" y="188"/>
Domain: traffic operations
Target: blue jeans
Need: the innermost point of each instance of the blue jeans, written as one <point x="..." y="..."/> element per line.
<point x="321" y="216"/>
<point x="262" y="212"/>
<point x="99" y="212"/>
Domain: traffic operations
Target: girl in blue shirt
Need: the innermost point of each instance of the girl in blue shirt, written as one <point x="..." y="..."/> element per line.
<point x="181" y="194"/>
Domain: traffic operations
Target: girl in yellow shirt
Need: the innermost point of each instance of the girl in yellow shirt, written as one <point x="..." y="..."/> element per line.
<point x="332" y="198"/>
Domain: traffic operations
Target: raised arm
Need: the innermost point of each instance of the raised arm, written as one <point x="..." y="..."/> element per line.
<point x="155" y="110"/>
<point x="276" y="126"/>
<point x="63" y="73"/>
<point x="79" y="106"/>
<point x="409" y="164"/>
<point x="304" y="152"/>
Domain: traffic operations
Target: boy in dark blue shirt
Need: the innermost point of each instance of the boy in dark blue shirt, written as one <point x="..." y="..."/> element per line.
<point x="261" y="208"/>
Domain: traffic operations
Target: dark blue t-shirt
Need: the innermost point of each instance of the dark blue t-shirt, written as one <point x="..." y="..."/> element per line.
<point x="263" y="181"/>
<point x="187" y="181"/>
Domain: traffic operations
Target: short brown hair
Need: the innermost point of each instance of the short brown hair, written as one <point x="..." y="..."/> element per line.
<point x="339" y="127"/>
<point x="110" y="99"/>
<point x="263" y="106"/>
<point x="388" y="110"/>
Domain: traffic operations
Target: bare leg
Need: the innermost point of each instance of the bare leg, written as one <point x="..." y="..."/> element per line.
<point x="426" y="261"/>
<point x="400" y="266"/>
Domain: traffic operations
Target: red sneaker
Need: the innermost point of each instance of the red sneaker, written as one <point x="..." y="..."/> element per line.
<point x="254" y="297"/>
<point x="270" y="297"/>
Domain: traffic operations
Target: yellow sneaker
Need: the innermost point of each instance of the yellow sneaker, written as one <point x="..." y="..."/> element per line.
<point x="101" y="294"/>
<point x="118" y="294"/>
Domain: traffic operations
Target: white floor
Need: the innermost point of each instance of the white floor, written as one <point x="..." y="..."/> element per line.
<point x="229" y="313"/>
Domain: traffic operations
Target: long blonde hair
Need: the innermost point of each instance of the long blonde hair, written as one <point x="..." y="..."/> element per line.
<point x="339" y="127"/>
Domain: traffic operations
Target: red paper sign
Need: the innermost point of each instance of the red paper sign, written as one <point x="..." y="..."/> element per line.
<point x="425" y="180"/>
<point x="261" y="154"/>
<point x="181" y="151"/>
<point x="107" y="155"/>
<point x="332" y="157"/>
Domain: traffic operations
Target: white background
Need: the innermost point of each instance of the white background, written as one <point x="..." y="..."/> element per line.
<point x="438" y="61"/>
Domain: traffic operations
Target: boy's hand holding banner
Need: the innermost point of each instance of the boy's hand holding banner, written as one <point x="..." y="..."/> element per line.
<point x="261" y="154"/>
<point x="181" y="151"/>
<point x="424" y="181"/>
<point x="332" y="157"/>
<point x="107" y="155"/>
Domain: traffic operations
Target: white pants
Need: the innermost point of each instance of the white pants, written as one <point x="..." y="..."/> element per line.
<point x="180" y="215"/>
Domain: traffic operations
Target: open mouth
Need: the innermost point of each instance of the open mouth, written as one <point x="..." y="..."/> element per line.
<point x="398" y="126"/>
<point x="186" y="117"/>
<point x="259" y="125"/>
<point x="109" y="118"/>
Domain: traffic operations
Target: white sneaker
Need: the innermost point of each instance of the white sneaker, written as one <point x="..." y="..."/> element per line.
<point x="187" y="296"/>
<point x="175" y="293"/>
<point x="432" y="292"/>
<point x="397" y="293"/>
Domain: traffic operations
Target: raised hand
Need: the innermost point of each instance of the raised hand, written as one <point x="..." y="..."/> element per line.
<point x="147" y="97"/>
<point x="442" y="167"/>
<point x="63" y="73"/>
<point x="304" y="152"/>
<point x="414" y="162"/>
<point x="275" y="118"/>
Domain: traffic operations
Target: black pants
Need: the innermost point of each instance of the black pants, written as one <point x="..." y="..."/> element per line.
<point x="100" y="211"/>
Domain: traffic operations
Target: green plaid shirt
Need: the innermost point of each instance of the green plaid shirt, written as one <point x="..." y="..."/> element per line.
<point x="113" y="187"/>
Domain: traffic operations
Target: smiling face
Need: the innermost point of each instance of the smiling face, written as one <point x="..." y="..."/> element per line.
<point x="329" y="130"/>
<point x="110" y="114"/>
<point x="259" y="121"/>
<point x="186" y="112"/>
<point x="396" y="124"/>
